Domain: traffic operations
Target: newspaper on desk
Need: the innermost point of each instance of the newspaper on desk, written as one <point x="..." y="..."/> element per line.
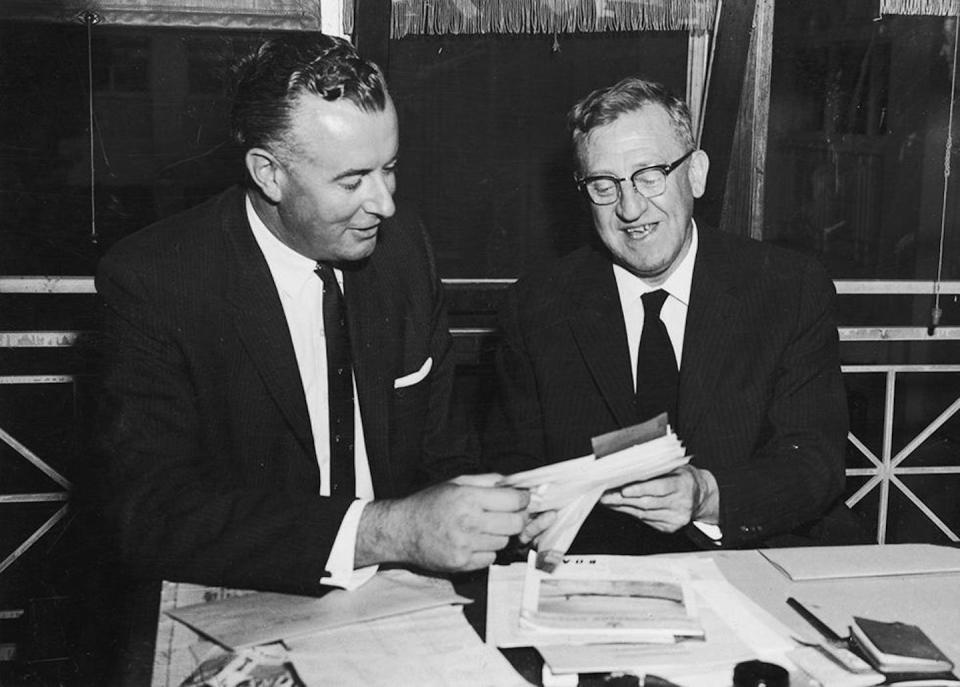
<point x="573" y="487"/>
<point x="367" y="636"/>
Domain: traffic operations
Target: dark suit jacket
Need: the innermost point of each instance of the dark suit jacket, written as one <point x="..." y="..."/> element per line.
<point x="761" y="402"/>
<point x="213" y="473"/>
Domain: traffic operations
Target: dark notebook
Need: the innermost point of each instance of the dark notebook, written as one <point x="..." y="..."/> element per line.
<point x="902" y="652"/>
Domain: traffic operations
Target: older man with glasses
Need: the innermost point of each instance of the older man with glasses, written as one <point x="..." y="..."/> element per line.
<point x="734" y="339"/>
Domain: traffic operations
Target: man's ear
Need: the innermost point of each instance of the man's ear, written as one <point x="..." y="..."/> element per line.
<point x="266" y="172"/>
<point x="697" y="172"/>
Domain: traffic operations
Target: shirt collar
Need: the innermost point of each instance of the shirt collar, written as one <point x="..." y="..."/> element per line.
<point x="631" y="287"/>
<point x="291" y="271"/>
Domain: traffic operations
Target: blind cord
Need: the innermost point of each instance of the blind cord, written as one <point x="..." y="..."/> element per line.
<point x="89" y="19"/>
<point x="936" y="312"/>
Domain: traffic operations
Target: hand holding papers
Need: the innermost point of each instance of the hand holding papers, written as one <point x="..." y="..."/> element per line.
<point x="573" y="487"/>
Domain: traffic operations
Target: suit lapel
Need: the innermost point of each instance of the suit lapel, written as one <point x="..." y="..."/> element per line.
<point x="372" y="343"/>
<point x="713" y="316"/>
<point x="261" y="324"/>
<point x="596" y="321"/>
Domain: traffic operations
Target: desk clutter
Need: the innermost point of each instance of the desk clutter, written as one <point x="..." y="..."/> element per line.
<point x="695" y="626"/>
<point x="680" y="620"/>
<point x="400" y="628"/>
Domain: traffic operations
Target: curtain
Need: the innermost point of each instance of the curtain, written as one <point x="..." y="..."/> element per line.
<point x="544" y="16"/>
<point x="934" y="7"/>
<point x="408" y="17"/>
<point x="228" y="14"/>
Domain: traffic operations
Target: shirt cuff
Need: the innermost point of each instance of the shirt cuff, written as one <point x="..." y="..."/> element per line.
<point x="340" y="570"/>
<point x="712" y="531"/>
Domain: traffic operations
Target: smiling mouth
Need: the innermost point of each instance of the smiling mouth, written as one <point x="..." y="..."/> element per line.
<point x="639" y="232"/>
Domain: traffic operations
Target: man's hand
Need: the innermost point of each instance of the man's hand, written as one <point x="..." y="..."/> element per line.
<point x="670" y="501"/>
<point x="536" y="527"/>
<point x="454" y="526"/>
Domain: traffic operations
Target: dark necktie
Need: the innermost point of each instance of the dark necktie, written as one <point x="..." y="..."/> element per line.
<point x="657" y="377"/>
<point x="339" y="384"/>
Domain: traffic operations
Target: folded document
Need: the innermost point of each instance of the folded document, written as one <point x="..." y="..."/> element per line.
<point x="574" y="486"/>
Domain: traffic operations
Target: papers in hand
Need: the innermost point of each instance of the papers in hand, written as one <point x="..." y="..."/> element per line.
<point x="587" y="599"/>
<point x="573" y="487"/>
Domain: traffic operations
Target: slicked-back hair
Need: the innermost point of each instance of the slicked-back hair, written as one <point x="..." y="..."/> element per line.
<point x="605" y="105"/>
<point x="270" y="80"/>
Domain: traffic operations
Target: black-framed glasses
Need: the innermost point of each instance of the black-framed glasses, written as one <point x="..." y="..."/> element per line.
<point x="649" y="182"/>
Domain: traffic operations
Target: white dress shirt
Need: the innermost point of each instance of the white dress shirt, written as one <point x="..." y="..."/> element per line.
<point x="673" y="314"/>
<point x="301" y="294"/>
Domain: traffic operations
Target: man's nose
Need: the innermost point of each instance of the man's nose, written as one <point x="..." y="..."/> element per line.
<point x="380" y="202"/>
<point x="631" y="203"/>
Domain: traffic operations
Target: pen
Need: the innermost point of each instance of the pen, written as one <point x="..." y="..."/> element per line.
<point x="619" y="679"/>
<point x="807" y="615"/>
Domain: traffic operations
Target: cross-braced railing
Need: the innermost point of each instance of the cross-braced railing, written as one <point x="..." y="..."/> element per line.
<point x="888" y="468"/>
<point x="884" y="474"/>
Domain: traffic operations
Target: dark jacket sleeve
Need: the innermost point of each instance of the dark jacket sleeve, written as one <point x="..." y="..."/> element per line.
<point x="795" y="473"/>
<point x="184" y="508"/>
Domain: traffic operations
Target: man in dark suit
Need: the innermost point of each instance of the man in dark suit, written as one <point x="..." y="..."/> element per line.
<point x="252" y="440"/>
<point x="736" y="341"/>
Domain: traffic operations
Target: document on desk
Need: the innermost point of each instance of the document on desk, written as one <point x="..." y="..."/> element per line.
<point x="608" y="599"/>
<point x="429" y="648"/>
<point x="734" y="629"/>
<point x="574" y="486"/>
<point x="839" y="562"/>
<point x="265" y="617"/>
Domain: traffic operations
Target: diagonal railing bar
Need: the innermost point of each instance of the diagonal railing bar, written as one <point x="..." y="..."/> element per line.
<point x="32" y="539"/>
<point x="867" y="453"/>
<point x="941" y="525"/>
<point x="34" y="498"/>
<point x="868" y="486"/>
<point x="927" y="432"/>
<point x="35" y="459"/>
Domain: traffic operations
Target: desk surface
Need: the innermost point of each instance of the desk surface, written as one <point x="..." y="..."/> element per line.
<point x="931" y="601"/>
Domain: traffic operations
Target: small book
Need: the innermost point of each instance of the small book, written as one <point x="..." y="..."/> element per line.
<point x="898" y="647"/>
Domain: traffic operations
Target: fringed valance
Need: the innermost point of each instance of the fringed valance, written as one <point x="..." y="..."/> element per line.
<point x="431" y="17"/>
<point x="933" y="7"/>
<point x="544" y="16"/>
<point x="229" y="14"/>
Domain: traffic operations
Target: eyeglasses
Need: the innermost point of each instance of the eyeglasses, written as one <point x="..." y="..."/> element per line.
<point x="649" y="182"/>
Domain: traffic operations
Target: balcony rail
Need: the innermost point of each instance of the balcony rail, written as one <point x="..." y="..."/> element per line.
<point x="883" y="474"/>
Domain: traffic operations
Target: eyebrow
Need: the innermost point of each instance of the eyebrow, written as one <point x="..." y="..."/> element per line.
<point x="362" y="171"/>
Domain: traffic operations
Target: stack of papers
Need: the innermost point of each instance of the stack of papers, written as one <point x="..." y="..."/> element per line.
<point x="592" y="602"/>
<point x="734" y="628"/>
<point x="573" y="487"/>
<point x="398" y="628"/>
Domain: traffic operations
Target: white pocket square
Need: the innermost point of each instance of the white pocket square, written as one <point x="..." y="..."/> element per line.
<point x="414" y="377"/>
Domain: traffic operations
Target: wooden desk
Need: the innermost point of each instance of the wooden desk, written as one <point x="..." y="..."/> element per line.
<point x="930" y="601"/>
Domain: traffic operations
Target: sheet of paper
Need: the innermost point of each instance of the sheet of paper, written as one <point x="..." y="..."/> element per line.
<point x="735" y="630"/>
<point x="263" y="617"/>
<point x="835" y="562"/>
<point x="505" y="595"/>
<point x="177" y="653"/>
<point x="573" y="487"/>
<point x="430" y="648"/>
<point x="601" y="599"/>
